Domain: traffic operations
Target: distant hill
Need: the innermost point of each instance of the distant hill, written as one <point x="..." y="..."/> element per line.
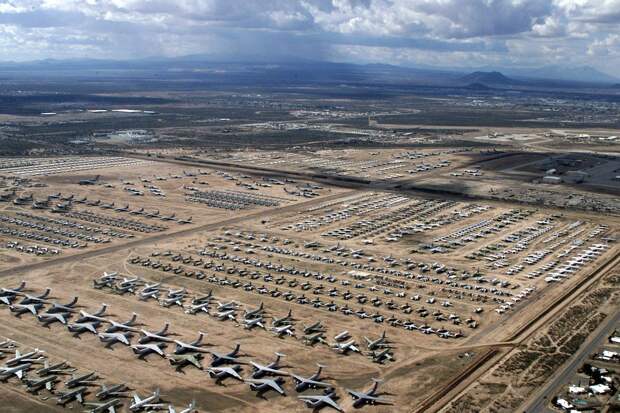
<point x="478" y="86"/>
<point x="488" y="78"/>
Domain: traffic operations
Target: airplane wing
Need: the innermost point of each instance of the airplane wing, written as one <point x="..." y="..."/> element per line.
<point x="79" y="398"/>
<point x="136" y="398"/>
<point x="356" y="395"/>
<point x="275" y="386"/>
<point x="19" y="374"/>
<point x="332" y="403"/>
<point x="48" y="386"/>
<point x="195" y="362"/>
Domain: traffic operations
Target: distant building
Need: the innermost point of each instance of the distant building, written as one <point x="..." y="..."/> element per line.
<point x="552" y="180"/>
<point x="576" y="177"/>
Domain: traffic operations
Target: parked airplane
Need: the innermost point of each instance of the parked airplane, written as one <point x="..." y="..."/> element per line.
<point x="317" y="402"/>
<point x="284" y="320"/>
<point x="76" y="394"/>
<point x="182" y="360"/>
<point x="195" y="345"/>
<point x="117" y="390"/>
<point x="369" y="397"/>
<point x="17" y="370"/>
<point x="312" y="382"/>
<point x="345" y="348"/>
<point x="83" y="380"/>
<point x="112" y="338"/>
<point x="272" y="368"/>
<point x="30" y="357"/>
<point x="148" y="403"/>
<point x="103" y="407"/>
<point x="79" y="328"/>
<point x="58" y="368"/>
<point x="218" y="359"/>
<point x="160" y="335"/>
<point x="314" y="328"/>
<point x="89" y="181"/>
<point x="126" y="326"/>
<point x="191" y="408"/>
<point x="34" y="386"/>
<point x="381" y="342"/>
<point x="220" y="373"/>
<point x="264" y="385"/>
<point x="143" y="350"/>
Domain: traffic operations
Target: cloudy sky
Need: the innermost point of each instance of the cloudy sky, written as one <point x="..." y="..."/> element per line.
<point x="448" y="33"/>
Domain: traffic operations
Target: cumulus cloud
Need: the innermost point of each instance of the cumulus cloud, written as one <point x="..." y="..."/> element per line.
<point x="442" y="32"/>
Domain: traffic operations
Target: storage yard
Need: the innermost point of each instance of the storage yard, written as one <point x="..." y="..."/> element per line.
<point x="226" y="286"/>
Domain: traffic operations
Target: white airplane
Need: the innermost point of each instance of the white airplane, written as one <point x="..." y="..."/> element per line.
<point x="190" y="409"/>
<point x="286" y="329"/>
<point x="220" y="373"/>
<point x="344" y="348"/>
<point x="195" y="345"/>
<point x="148" y="403"/>
<point x="160" y="335"/>
<point x="111" y="338"/>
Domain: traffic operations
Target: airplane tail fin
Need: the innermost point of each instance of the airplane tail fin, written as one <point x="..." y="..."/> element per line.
<point x="198" y="341"/>
<point x="163" y="330"/>
<point x="236" y="350"/>
<point x="375" y="386"/>
<point x="102" y="311"/>
<point x="278" y="357"/>
<point x="22" y="285"/>
<point x="290" y="313"/>
<point x="132" y="320"/>
<point x="45" y="293"/>
<point x="72" y="303"/>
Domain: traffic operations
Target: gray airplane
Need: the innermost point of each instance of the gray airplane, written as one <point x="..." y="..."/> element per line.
<point x="314" y="328"/>
<point x="83" y="380"/>
<point x="48" y="318"/>
<point x="143" y="350"/>
<point x="369" y="397"/>
<point x="112" y="338"/>
<point x="381" y="356"/>
<point x="263" y="385"/>
<point x="249" y="324"/>
<point x="276" y="322"/>
<point x="117" y="390"/>
<point x="7" y="295"/>
<point x="312" y="339"/>
<point x="229" y="358"/>
<point x="196" y="345"/>
<point x="19" y="309"/>
<point x="17" y="370"/>
<point x="30" y="357"/>
<point x="63" y="308"/>
<point x="34" y="386"/>
<point x="381" y="342"/>
<point x="226" y="315"/>
<point x="79" y="328"/>
<point x="254" y="313"/>
<point x="104" y="407"/>
<point x="76" y="394"/>
<point x="31" y="299"/>
<point x="272" y="368"/>
<point x="221" y="373"/>
<point x="312" y="382"/>
<point x="58" y="368"/>
<point x="148" y="403"/>
<point x="318" y="401"/>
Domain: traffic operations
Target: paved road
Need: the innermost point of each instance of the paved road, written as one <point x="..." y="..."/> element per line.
<point x="169" y="235"/>
<point x="564" y="375"/>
